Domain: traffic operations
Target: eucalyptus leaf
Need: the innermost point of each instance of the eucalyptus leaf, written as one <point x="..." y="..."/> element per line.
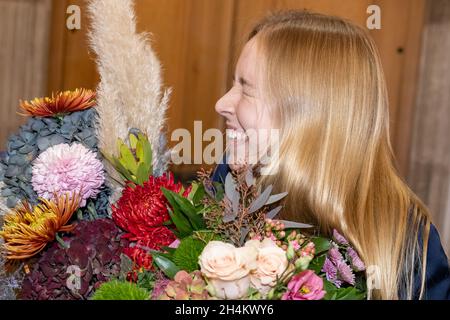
<point x="244" y="233"/>
<point x="272" y="213"/>
<point x="295" y="225"/>
<point x="276" y="197"/>
<point x="249" y="179"/>
<point x="261" y="200"/>
<point x="230" y="187"/>
<point x="229" y="216"/>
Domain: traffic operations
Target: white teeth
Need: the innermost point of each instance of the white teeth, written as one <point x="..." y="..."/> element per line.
<point x="234" y="134"/>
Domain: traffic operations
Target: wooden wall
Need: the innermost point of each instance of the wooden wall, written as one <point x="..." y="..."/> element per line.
<point x="198" y="42"/>
<point x="429" y="173"/>
<point x="24" y="43"/>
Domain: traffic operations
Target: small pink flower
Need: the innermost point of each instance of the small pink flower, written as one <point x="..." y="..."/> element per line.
<point x="305" y="286"/>
<point x="295" y="245"/>
<point x="257" y="237"/>
<point x="308" y="250"/>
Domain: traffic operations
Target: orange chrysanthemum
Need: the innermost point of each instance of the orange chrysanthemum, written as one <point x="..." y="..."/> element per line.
<point x="61" y="103"/>
<point x="27" y="229"/>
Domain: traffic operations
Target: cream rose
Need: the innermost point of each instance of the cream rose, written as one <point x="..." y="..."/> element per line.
<point x="227" y="268"/>
<point x="271" y="263"/>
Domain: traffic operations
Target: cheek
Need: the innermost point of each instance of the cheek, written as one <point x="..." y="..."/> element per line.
<point x="247" y="114"/>
<point x="252" y="115"/>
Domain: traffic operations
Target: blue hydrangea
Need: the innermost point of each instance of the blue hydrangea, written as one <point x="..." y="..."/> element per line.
<point x="36" y="136"/>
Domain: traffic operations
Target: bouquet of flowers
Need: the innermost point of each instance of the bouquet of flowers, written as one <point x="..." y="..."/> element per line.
<point x="222" y="241"/>
<point x="88" y="209"/>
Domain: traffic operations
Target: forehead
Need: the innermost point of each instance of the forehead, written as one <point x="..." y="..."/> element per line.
<point x="246" y="65"/>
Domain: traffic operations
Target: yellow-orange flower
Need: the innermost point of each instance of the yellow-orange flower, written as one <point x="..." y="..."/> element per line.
<point x="27" y="229"/>
<point x="61" y="103"/>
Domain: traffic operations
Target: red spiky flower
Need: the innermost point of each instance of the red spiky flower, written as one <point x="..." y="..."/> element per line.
<point x="142" y="213"/>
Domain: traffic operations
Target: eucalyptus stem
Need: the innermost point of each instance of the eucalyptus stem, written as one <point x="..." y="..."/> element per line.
<point x="61" y="242"/>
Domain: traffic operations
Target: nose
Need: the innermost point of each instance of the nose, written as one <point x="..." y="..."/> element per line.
<point x="225" y="106"/>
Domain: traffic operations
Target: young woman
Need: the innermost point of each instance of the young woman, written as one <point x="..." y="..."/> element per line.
<point x="319" y="80"/>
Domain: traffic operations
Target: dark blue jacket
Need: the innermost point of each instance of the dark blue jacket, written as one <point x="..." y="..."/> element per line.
<point x="437" y="281"/>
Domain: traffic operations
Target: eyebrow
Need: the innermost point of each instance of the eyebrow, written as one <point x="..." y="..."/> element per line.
<point x="243" y="82"/>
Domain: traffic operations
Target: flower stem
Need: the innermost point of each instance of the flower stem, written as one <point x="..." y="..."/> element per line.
<point x="61" y="242"/>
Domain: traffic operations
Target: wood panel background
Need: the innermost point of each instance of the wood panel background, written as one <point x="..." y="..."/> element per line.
<point x="24" y="40"/>
<point x="429" y="173"/>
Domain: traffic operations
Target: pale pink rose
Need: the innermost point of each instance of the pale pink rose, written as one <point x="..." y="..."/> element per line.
<point x="271" y="263"/>
<point x="230" y="290"/>
<point x="227" y="268"/>
<point x="304" y="286"/>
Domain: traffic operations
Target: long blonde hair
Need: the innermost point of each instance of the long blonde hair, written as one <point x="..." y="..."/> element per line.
<point x="324" y="79"/>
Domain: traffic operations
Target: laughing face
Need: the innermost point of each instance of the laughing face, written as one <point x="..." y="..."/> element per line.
<point x="244" y="110"/>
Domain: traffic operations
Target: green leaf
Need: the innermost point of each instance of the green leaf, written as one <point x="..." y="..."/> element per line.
<point x="349" y="293"/>
<point x="187" y="253"/>
<point x="206" y="236"/>
<point x="186" y="208"/>
<point x="147" y="151"/>
<point x="142" y="173"/>
<point x="317" y="263"/>
<point x="199" y="194"/>
<point x="321" y="244"/>
<point x="166" y="265"/>
<point x="146" y="280"/>
<point x="220" y="192"/>
<point x="335" y="293"/>
<point x="117" y="166"/>
<point x="140" y="152"/>
<point x="133" y="141"/>
<point x="330" y="289"/>
<point x="122" y="170"/>
<point x="169" y="250"/>
<point x="194" y="188"/>
<point x="181" y="223"/>
<point x="120" y="290"/>
<point x="127" y="158"/>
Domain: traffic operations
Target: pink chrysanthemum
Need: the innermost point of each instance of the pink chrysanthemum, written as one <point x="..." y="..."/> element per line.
<point x="65" y="169"/>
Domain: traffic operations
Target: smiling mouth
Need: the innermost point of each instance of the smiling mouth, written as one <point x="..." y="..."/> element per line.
<point x="235" y="134"/>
